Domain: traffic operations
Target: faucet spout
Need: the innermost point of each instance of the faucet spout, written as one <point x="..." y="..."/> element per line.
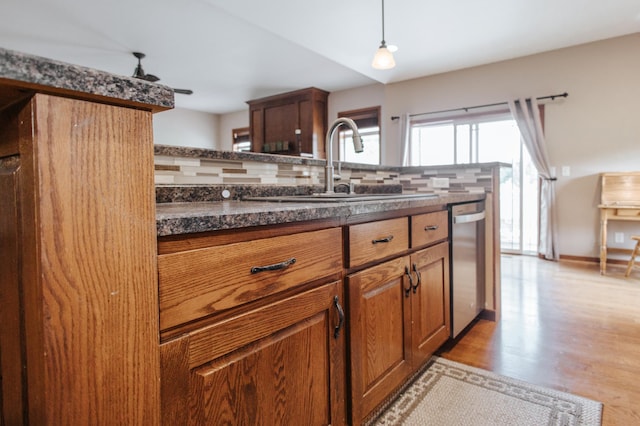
<point x="357" y="145"/>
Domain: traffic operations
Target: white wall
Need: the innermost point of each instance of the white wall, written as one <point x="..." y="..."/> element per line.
<point x="360" y="97"/>
<point x="183" y="127"/>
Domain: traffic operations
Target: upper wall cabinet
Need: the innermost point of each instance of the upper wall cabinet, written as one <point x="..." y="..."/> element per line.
<point x="293" y="123"/>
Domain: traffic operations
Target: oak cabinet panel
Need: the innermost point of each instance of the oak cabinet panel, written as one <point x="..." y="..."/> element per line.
<point x="430" y="303"/>
<point x="11" y="335"/>
<point x="78" y="231"/>
<point x="373" y="241"/>
<point x="429" y="228"/>
<point x="197" y="283"/>
<point x="398" y="314"/>
<point x="278" y="364"/>
<point x="380" y="327"/>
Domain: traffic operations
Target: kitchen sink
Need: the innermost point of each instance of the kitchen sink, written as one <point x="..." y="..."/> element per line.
<point x="339" y="197"/>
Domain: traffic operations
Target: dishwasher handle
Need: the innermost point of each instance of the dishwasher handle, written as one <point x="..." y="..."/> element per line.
<point x="468" y="218"/>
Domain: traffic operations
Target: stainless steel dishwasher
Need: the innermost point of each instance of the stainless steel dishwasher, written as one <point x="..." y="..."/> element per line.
<point x="467" y="263"/>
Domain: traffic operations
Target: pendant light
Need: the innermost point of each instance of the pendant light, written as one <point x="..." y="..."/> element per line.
<point x="383" y="59"/>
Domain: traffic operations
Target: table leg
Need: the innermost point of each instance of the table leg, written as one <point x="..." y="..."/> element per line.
<point x="603" y="242"/>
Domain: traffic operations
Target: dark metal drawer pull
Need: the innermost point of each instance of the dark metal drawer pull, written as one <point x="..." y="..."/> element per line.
<point x="336" y="331"/>
<point x="407" y="291"/>
<point x="383" y="240"/>
<point x="275" y="267"/>
<point x="431" y="227"/>
<point x="415" y="269"/>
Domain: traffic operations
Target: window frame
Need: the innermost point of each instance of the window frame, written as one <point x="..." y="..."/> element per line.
<point x="240" y="136"/>
<point x="473" y="121"/>
<point x="463" y="118"/>
<point x="364" y="118"/>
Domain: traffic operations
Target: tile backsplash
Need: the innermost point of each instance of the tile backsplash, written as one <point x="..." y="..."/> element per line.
<point x="180" y="167"/>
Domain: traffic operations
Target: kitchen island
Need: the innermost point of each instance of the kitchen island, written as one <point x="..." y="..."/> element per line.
<point x="332" y="306"/>
<point x="119" y="309"/>
<point x="78" y="289"/>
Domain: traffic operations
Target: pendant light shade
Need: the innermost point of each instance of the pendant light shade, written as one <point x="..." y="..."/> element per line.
<point x="383" y="59"/>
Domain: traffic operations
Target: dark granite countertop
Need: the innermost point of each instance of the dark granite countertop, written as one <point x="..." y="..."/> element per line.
<point x="51" y="76"/>
<point x="193" y="217"/>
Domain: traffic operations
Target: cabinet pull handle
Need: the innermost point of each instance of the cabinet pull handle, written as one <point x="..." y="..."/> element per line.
<point x="336" y="330"/>
<point x="382" y="240"/>
<point x="274" y="267"/>
<point x="415" y="287"/>
<point x="431" y="227"/>
<point x="407" y="291"/>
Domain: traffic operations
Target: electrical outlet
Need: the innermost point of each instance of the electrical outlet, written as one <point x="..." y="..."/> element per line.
<point x="619" y="237"/>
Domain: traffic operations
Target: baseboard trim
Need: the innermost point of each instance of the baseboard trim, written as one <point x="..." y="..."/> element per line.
<point x="486" y="314"/>
<point x="593" y="259"/>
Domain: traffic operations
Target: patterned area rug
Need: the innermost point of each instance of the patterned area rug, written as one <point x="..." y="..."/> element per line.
<point x="449" y="393"/>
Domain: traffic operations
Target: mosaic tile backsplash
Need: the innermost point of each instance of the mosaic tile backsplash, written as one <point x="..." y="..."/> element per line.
<point x="188" y="174"/>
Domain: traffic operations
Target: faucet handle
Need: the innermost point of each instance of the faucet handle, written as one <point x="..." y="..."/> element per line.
<point x="350" y="186"/>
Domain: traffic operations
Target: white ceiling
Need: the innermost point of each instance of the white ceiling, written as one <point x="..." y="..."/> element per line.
<point x="231" y="51"/>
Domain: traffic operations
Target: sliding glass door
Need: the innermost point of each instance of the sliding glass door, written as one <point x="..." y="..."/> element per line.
<point x="487" y="138"/>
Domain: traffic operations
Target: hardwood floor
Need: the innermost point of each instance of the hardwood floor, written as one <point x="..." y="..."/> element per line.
<point x="566" y="327"/>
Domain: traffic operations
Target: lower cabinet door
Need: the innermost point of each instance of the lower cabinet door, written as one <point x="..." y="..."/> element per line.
<point x="430" y="304"/>
<point x="380" y="341"/>
<point x="281" y="364"/>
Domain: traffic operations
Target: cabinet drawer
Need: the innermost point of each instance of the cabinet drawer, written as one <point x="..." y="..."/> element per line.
<point x="376" y="240"/>
<point x="428" y="228"/>
<point x="627" y="212"/>
<point x="197" y="283"/>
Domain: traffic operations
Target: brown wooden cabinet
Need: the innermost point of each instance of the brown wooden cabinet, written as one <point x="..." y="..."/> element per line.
<point x="273" y="122"/>
<point x="78" y="288"/>
<point x="430" y="301"/>
<point x="277" y="364"/>
<point x="259" y="341"/>
<point x="398" y="311"/>
<point x="379" y="334"/>
<point x="246" y="348"/>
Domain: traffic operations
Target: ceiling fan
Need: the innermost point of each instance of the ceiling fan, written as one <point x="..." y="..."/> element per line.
<point x="139" y="73"/>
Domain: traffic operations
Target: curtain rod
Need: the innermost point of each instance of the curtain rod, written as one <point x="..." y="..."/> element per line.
<point x="466" y="109"/>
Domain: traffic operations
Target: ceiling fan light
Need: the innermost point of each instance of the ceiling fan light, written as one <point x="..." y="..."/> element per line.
<point x="383" y="59"/>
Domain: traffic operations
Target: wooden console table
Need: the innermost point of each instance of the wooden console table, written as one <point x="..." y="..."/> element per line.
<point x="620" y="200"/>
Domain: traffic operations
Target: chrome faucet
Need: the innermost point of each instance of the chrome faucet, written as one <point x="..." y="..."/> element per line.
<point x="357" y="145"/>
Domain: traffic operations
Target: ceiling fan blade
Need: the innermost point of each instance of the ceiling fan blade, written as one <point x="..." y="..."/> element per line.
<point x="139" y="72"/>
<point x="184" y="91"/>
<point x="150" y="77"/>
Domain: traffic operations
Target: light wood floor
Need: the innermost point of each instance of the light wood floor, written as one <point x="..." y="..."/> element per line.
<point x="566" y="327"/>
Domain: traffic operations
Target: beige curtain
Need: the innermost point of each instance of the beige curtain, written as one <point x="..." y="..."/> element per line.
<point x="527" y="115"/>
<point x="405" y="138"/>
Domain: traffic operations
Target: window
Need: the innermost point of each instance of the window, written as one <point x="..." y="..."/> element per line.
<point x="368" y="122"/>
<point x="241" y="139"/>
<point x="482" y="138"/>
